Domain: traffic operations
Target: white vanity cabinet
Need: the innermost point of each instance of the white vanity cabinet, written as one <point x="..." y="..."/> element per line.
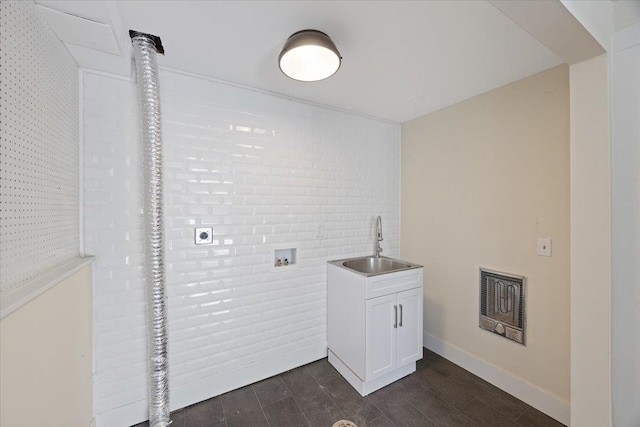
<point x="374" y="329"/>
<point x="393" y="325"/>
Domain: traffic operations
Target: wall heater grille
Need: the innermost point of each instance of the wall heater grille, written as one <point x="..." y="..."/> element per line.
<point x="502" y="304"/>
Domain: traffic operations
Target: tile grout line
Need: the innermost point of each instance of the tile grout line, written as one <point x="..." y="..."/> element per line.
<point x="415" y="395"/>
<point x="521" y="414"/>
<point x="458" y="410"/>
<point x="469" y="403"/>
<point x="381" y="411"/>
<point x="260" y="405"/>
<point x="270" y="403"/>
<point x="294" y="399"/>
<point x="493" y="407"/>
<point x="271" y="378"/>
<point x="224" y="410"/>
<point x="418" y="409"/>
<point x="324" y="389"/>
<point x="516" y="420"/>
<point x="382" y="415"/>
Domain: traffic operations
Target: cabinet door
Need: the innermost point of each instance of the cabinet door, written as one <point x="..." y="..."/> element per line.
<point x="381" y="335"/>
<point x="409" y="333"/>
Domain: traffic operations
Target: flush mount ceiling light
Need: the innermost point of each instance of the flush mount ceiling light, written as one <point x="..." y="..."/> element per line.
<point x="309" y="56"/>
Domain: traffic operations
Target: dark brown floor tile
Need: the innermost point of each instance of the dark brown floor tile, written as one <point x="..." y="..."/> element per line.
<point x="242" y="409"/>
<point x="271" y="390"/>
<point x="448" y="391"/>
<point x="240" y="399"/>
<point x="340" y="390"/>
<point x="178" y="418"/>
<point x="321" y="370"/>
<point x="399" y="411"/>
<point x="359" y="411"/>
<point x="431" y="355"/>
<point x="485" y="415"/>
<point x="428" y="358"/>
<point x="438" y="393"/>
<point x="534" y="418"/>
<point x="440" y="412"/>
<point x="252" y="418"/>
<point x="406" y="387"/>
<point x="381" y="422"/>
<point x="426" y="353"/>
<point x="326" y="416"/>
<point x="207" y="413"/>
<point x="297" y="376"/>
<point x="421" y="364"/>
<point x="354" y="407"/>
<point x="285" y="413"/>
<point x="310" y="395"/>
<point x="502" y="401"/>
<point x="441" y="365"/>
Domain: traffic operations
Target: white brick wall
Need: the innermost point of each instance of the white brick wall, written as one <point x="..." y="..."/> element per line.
<point x="264" y="172"/>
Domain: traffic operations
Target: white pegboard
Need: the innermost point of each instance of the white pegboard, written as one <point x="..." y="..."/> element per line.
<point x="38" y="148"/>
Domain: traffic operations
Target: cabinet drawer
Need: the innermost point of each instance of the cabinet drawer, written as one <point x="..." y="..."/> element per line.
<point x="391" y="283"/>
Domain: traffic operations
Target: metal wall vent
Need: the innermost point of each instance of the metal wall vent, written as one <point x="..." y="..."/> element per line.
<point x="502" y="308"/>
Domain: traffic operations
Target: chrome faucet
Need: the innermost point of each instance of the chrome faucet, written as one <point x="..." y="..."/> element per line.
<point x="378" y="236"/>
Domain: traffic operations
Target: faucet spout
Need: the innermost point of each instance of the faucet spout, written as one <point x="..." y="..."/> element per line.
<point x="378" y="236"/>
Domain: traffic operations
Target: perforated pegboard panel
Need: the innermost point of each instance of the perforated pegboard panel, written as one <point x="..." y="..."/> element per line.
<point x="38" y="147"/>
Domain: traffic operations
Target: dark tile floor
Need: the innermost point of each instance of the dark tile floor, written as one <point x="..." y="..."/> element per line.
<point x="438" y="394"/>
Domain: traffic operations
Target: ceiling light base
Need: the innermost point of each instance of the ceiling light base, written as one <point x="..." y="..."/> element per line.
<point x="309" y="56"/>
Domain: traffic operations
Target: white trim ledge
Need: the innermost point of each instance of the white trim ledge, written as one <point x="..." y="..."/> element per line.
<point x="540" y="399"/>
<point x="16" y="298"/>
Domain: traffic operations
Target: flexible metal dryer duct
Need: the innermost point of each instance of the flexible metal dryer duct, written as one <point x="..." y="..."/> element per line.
<point x="147" y="72"/>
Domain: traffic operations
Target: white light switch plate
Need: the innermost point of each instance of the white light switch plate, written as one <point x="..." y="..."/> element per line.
<point x="544" y="247"/>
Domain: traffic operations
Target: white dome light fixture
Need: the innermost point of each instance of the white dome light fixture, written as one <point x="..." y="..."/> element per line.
<point x="309" y="56"/>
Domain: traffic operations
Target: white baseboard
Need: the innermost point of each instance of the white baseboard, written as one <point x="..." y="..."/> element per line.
<point x="528" y="393"/>
<point x="137" y="412"/>
<point x="210" y="387"/>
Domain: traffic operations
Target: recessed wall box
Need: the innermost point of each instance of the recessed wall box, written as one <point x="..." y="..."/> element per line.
<point x="284" y="257"/>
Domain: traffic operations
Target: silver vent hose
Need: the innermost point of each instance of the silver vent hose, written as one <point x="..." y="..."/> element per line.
<point x="149" y="100"/>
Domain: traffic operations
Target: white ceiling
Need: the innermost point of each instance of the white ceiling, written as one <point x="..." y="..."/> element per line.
<point x="401" y="59"/>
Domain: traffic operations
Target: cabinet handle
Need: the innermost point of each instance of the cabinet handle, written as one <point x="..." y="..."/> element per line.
<point x="395" y="310"/>
<point x="401" y="315"/>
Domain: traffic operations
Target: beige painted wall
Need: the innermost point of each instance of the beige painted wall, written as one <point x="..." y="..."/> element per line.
<point x="481" y="181"/>
<point x="590" y="244"/>
<point x="46" y="358"/>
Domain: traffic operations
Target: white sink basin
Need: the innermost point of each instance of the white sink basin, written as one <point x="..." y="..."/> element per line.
<point x="371" y="265"/>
